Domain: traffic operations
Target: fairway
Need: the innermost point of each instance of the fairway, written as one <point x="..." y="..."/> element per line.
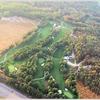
<point x="41" y="34"/>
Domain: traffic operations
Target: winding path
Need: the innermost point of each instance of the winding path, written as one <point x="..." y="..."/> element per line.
<point x="37" y="79"/>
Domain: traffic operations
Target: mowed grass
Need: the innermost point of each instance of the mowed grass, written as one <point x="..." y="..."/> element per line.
<point x="40" y="74"/>
<point x="63" y="31"/>
<point x="65" y="28"/>
<point x="41" y="34"/>
<point x="58" y="76"/>
<point x="59" y="53"/>
<point x="68" y="94"/>
<point x="11" y="68"/>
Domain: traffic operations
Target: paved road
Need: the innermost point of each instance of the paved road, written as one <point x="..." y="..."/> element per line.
<point x="8" y="92"/>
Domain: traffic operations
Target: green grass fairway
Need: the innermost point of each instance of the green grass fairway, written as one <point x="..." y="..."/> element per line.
<point x="41" y="34"/>
<point x="68" y="94"/>
<point x="11" y="68"/>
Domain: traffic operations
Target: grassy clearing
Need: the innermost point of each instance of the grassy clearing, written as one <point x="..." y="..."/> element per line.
<point x="58" y="56"/>
<point x="11" y="68"/>
<point x="40" y="74"/>
<point x="57" y="74"/>
<point x="68" y="94"/>
<point x="56" y="68"/>
<point x="65" y="28"/>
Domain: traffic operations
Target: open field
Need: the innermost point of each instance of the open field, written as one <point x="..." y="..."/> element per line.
<point x="12" y="32"/>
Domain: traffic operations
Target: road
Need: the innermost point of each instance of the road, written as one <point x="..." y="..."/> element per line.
<point x="7" y="92"/>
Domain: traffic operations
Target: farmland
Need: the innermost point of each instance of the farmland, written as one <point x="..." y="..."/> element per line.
<point x="14" y="32"/>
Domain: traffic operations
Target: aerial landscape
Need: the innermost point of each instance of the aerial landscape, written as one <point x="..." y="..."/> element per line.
<point x="50" y="49"/>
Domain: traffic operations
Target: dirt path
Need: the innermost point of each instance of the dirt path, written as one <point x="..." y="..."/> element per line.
<point x="12" y="32"/>
<point x="85" y="93"/>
